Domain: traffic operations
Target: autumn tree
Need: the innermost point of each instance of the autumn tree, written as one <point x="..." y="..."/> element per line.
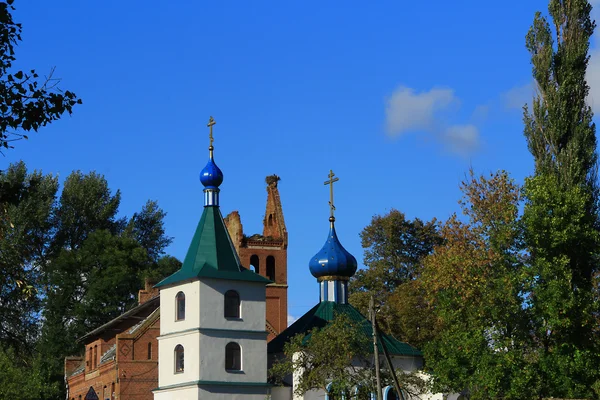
<point x="394" y="251"/>
<point x="474" y="285"/>
<point x="561" y="211"/>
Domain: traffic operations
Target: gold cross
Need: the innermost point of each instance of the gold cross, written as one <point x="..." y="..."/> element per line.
<point x="330" y="183"/>
<point x="210" y="124"/>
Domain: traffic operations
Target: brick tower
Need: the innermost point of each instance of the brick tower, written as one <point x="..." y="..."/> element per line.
<point x="266" y="254"/>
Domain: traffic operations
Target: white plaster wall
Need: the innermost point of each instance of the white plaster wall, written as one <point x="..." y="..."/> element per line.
<point x="189" y="393"/>
<point x="406" y="363"/>
<point x="166" y="356"/>
<point x="281" y="393"/>
<point x="168" y="307"/>
<point x="252" y="301"/>
<point x="213" y="393"/>
<point x="233" y="393"/>
<point x="212" y="356"/>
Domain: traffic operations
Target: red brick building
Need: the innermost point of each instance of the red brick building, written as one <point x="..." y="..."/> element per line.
<point x="121" y="360"/>
<point x="266" y="254"/>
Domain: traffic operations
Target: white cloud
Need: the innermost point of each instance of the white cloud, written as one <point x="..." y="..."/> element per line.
<point x="516" y="97"/>
<point x="462" y="139"/>
<point x="593" y="70"/>
<point x="291" y="319"/>
<point x="593" y="80"/>
<point x="407" y="110"/>
<point x="427" y="112"/>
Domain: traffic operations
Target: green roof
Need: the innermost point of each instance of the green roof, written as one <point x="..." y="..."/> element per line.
<point x="211" y="254"/>
<point x="321" y="314"/>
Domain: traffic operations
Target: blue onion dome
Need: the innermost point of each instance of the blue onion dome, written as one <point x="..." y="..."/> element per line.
<point x="333" y="260"/>
<point x="211" y="176"/>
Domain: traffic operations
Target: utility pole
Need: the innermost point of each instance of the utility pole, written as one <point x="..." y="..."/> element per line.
<point x="375" y="349"/>
<point x="391" y="367"/>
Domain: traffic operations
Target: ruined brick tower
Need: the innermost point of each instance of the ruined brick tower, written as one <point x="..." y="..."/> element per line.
<point x="266" y="254"/>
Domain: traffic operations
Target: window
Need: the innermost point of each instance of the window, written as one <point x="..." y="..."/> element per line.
<point x="112" y="390"/>
<point x="362" y="393"/>
<point x="271" y="268"/>
<point x="95" y="355"/>
<point x="90" y="358"/>
<point x="149" y="350"/>
<point x="180" y="300"/>
<point x="270" y="221"/>
<point x="389" y="393"/>
<point x="254" y="261"/>
<point x="232" y="304"/>
<point x="233" y="357"/>
<point x="178" y="359"/>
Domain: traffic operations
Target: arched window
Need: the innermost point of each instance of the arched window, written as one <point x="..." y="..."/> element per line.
<point x="178" y="359"/>
<point x="180" y="300"/>
<point x="255" y="262"/>
<point x="270" y="221"/>
<point x="232" y="304"/>
<point x="333" y="394"/>
<point x="362" y="393"/>
<point x="90" y="358"/>
<point x="389" y="393"/>
<point x="149" y="350"/>
<point x="112" y="390"/>
<point x="233" y="357"/>
<point x="95" y="355"/>
<point x="271" y="268"/>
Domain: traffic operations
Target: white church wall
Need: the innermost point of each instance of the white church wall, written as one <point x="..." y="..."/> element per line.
<point x="281" y="393"/>
<point x="185" y="393"/>
<point x="168" y="306"/>
<point x="253" y="350"/>
<point x="166" y="353"/>
<point x="252" y="301"/>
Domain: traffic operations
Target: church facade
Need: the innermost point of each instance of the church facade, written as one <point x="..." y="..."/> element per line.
<point x="121" y="357"/>
<point x="210" y="330"/>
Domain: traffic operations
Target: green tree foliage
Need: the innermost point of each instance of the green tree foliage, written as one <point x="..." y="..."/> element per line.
<point x="394" y="251"/>
<point x="22" y="378"/>
<point x="69" y="264"/>
<point x="25" y="229"/>
<point x="561" y="211"/>
<point x="26" y="101"/>
<point x="348" y="367"/>
<point x="474" y="284"/>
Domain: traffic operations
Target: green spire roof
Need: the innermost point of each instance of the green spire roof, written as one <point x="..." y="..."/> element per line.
<point x="211" y="254"/>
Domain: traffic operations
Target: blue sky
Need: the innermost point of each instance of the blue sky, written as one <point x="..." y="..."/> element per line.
<point x="398" y="98"/>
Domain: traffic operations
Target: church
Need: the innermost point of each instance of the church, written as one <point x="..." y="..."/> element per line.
<point x="208" y="330"/>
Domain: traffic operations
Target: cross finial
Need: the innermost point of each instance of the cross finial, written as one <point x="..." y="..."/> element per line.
<point x="330" y="183"/>
<point x="210" y="124"/>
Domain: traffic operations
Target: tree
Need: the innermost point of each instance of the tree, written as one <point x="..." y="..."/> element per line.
<point x="561" y="210"/>
<point x="394" y="251"/>
<point x="26" y="101"/>
<point x="474" y="285"/>
<point x="97" y="264"/>
<point x="350" y="366"/>
<point x="68" y="265"/>
<point x="22" y="378"/>
<point x="24" y="234"/>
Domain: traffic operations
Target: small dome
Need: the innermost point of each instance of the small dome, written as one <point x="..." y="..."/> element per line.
<point x="332" y="259"/>
<point x="211" y="176"/>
